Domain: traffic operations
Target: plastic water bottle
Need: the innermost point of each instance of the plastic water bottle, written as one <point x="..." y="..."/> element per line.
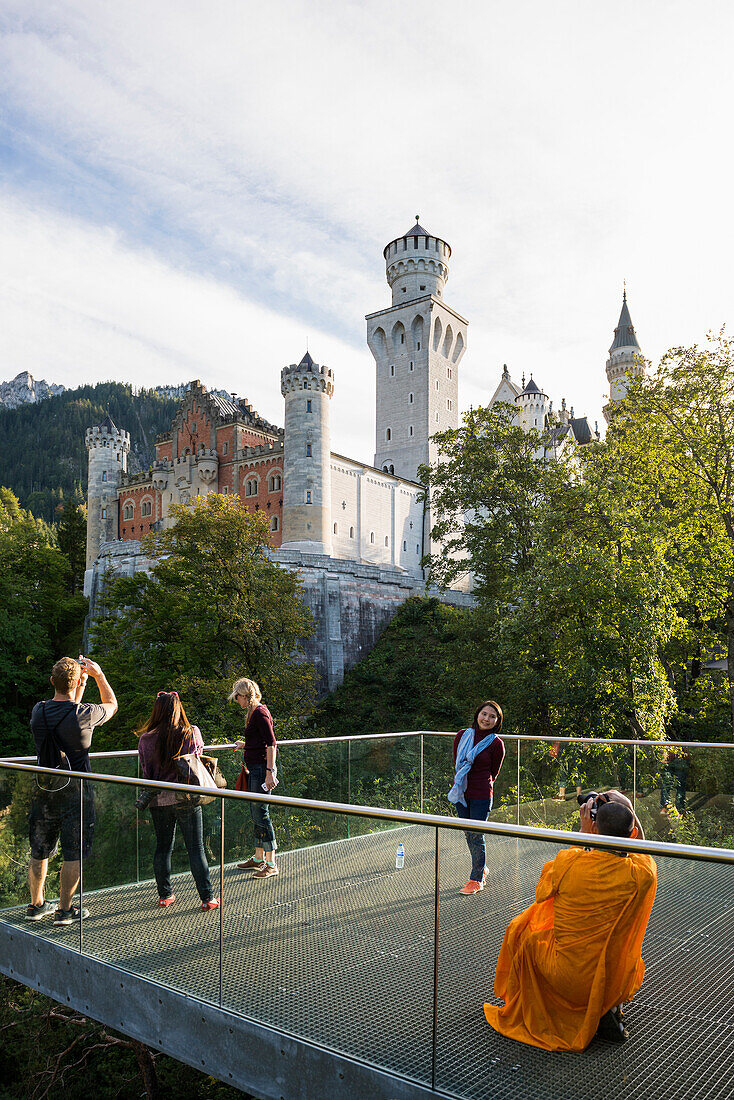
<point x="399" y="858"/>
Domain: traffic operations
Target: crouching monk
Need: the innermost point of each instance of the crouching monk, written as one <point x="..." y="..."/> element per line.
<point x="569" y="961"/>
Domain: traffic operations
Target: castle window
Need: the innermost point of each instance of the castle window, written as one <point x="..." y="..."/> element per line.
<point x="351" y="532"/>
<point x="410" y="430"/>
<point x="410" y="398"/>
<point x="225" y="490"/>
<point x="415" y="242"/>
<point x="411" y="364"/>
<point x="274" y="483"/>
<point x="251" y="488"/>
<point x="419" y="343"/>
<point x="385" y="470"/>
<point x="423" y="288"/>
<point x="449" y="404"/>
<point x="308" y="450"/>
<point x="437" y="418"/>
<point x="194" y="428"/>
<point x="336" y="529"/>
<point x="273" y="523"/>
<point x="225" y="448"/>
<point x="202" y="448"/>
<point x="417" y="548"/>
<point x="392" y="370"/>
<point x="308" y="496"/>
<point x="104" y="513"/>
<point x="402" y="337"/>
<point x="372" y="537"/>
<point x="392" y="469"/>
<point x="127" y="512"/>
<point x="449" y="374"/>
<point x="308" y="407"/>
<point x="405" y="546"/>
<point x="405" y="290"/>
<point x="104" y="475"/>
<point x="437" y="384"/>
<point x="387" y="543"/>
<point x="388" y="434"/>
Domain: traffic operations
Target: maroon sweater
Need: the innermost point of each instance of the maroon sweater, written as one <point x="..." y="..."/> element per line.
<point x="486" y="766"/>
<point x="258" y="735"/>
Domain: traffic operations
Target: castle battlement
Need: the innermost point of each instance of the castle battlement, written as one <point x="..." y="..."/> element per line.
<point x="306" y="375"/>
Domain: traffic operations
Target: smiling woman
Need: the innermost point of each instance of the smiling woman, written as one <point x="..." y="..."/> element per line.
<point x="478" y="756"/>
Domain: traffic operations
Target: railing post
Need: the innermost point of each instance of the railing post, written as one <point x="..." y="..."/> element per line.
<point x="421" y="773"/>
<point x="435" y="964"/>
<point x="349" y="786"/>
<point x="221" y="895"/>
<point x="137" y="829"/>
<point x="81" y="867"/>
<point x="634" y="778"/>
<point x="518" y="781"/>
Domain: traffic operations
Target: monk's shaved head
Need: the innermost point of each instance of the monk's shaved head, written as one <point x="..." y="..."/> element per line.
<point x="615" y="819"/>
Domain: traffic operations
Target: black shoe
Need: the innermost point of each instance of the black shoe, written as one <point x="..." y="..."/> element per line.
<point x="38" y="912"/>
<point x="68" y="916"/>
<point x="611" y="1027"/>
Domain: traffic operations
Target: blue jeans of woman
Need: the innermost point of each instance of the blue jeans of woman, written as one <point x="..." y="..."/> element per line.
<point x="476" y="809"/>
<point x="165" y="819"/>
<point x="260" y="811"/>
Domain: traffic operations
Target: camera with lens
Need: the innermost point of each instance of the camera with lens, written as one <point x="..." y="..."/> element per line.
<point x="145" y="797"/>
<point x="593" y="797"/>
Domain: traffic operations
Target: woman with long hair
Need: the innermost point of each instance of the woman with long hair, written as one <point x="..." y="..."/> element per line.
<point x="259" y="768"/>
<point x="166" y="735"/>
<point x="478" y="756"/>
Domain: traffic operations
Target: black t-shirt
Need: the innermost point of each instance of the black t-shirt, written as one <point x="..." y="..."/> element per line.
<point x="74" y="732"/>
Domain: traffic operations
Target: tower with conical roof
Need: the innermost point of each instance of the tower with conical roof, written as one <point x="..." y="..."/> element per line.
<point x="108" y="447"/>
<point x="307" y="389"/>
<point x="625" y="360"/>
<point x="532" y="407"/>
<point x="417" y="343"/>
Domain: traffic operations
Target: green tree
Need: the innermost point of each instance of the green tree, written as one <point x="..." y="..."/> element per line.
<point x="39" y="620"/>
<point x="71" y="534"/>
<point x="213" y="608"/>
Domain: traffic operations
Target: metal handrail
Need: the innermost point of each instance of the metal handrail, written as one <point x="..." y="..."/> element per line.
<point x="409" y="817"/>
<point x="122" y="753"/>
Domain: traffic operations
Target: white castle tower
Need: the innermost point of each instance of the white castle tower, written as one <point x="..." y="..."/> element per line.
<point x="625" y="360"/>
<point x="417" y="343"/>
<point x="108" y="448"/>
<point x="307" y="389"/>
<point x="532" y="407"/>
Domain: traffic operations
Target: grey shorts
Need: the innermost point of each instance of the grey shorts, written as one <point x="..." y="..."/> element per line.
<point x="56" y="817"/>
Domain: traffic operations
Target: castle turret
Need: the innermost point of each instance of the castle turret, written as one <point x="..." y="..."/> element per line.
<point x="307" y="389"/>
<point x="108" y="448"/>
<point x="625" y="359"/>
<point x="532" y="407"/>
<point x="417" y="344"/>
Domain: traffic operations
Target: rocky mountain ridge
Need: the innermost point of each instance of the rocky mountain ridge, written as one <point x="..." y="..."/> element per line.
<point x="24" y="390"/>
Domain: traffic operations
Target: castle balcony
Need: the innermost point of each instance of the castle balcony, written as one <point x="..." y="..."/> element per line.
<point x="349" y="978"/>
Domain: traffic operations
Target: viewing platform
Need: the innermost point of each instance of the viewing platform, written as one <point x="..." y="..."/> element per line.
<point x="344" y="977"/>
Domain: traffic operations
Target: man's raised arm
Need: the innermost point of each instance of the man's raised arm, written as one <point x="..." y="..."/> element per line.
<point x="106" y="694"/>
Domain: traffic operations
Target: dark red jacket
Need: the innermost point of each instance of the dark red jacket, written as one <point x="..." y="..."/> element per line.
<point x="486" y="766"/>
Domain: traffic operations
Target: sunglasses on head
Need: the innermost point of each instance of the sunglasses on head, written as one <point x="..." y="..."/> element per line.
<point x="160" y="693"/>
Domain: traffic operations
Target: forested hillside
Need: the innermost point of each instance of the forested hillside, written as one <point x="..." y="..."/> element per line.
<point x="43" y="456"/>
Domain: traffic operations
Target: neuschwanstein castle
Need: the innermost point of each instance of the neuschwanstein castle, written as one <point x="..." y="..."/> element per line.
<point x="356" y="533"/>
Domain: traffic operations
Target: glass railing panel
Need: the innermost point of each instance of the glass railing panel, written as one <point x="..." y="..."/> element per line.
<point x="385" y="772"/>
<point x="126" y="926"/>
<point x="337" y="948"/>
<point x="686" y="794"/>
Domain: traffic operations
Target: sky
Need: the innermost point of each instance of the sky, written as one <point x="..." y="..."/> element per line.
<point x="201" y="190"/>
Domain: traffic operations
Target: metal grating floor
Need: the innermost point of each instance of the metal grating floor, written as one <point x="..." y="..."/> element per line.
<point x="339" y="950"/>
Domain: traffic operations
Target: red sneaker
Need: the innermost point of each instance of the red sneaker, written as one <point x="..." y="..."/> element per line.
<point x="471" y="887"/>
<point x="163" y="903"/>
<point x="207" y="905"/>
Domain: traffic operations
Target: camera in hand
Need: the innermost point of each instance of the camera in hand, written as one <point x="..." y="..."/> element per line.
<point x="593" y="797"/>
<point x="145" y="797"/>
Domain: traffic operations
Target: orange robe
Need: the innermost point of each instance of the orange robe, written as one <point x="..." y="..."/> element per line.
<point x="575" y="953"/>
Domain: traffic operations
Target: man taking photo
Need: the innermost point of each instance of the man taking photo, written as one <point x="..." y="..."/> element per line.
<point x="62" y="729"/>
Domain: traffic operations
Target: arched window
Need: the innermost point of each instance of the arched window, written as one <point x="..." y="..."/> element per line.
<point x="274" y="483"/>
<point x="104" y="475"/>
<point x="388" y="434"/>
<point x="146" y="508"/>
<point x="308" y="450"/>
<point x="392" y="468"/>
<point x="308" y="496"/>
<point x="405" y="546"/>
<point x="351" y="532"/>
<point x="127" y="511"/>
<point x="273" y="523"/>
<point x="410" y="398"/>
<point x="251" y="487"/>
<point x="336" y="529"/>
<point x="387" y="542"/>
<point x="372" y="537"/>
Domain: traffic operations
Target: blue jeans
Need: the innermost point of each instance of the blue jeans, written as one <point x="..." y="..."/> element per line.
<point x="165" y="819"/>
<point x="260" y="811"/>
<point x="476" y="809"/>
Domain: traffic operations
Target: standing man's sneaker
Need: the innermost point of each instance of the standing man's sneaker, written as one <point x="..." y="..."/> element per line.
<point x="266" y="871"/>
<point x="38" y="912"/>
<point x="472" y="887"/>
<point x="68" y="916"/>
<point x="251" y="864"/>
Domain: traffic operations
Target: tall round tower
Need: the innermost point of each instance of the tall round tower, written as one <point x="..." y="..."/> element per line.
<point x="108" y="448"/>
<point x="307" y="389"/>
<point x="532" y="406"/>
<point x="625" y="359"/>
<point x="416" y="264"/>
